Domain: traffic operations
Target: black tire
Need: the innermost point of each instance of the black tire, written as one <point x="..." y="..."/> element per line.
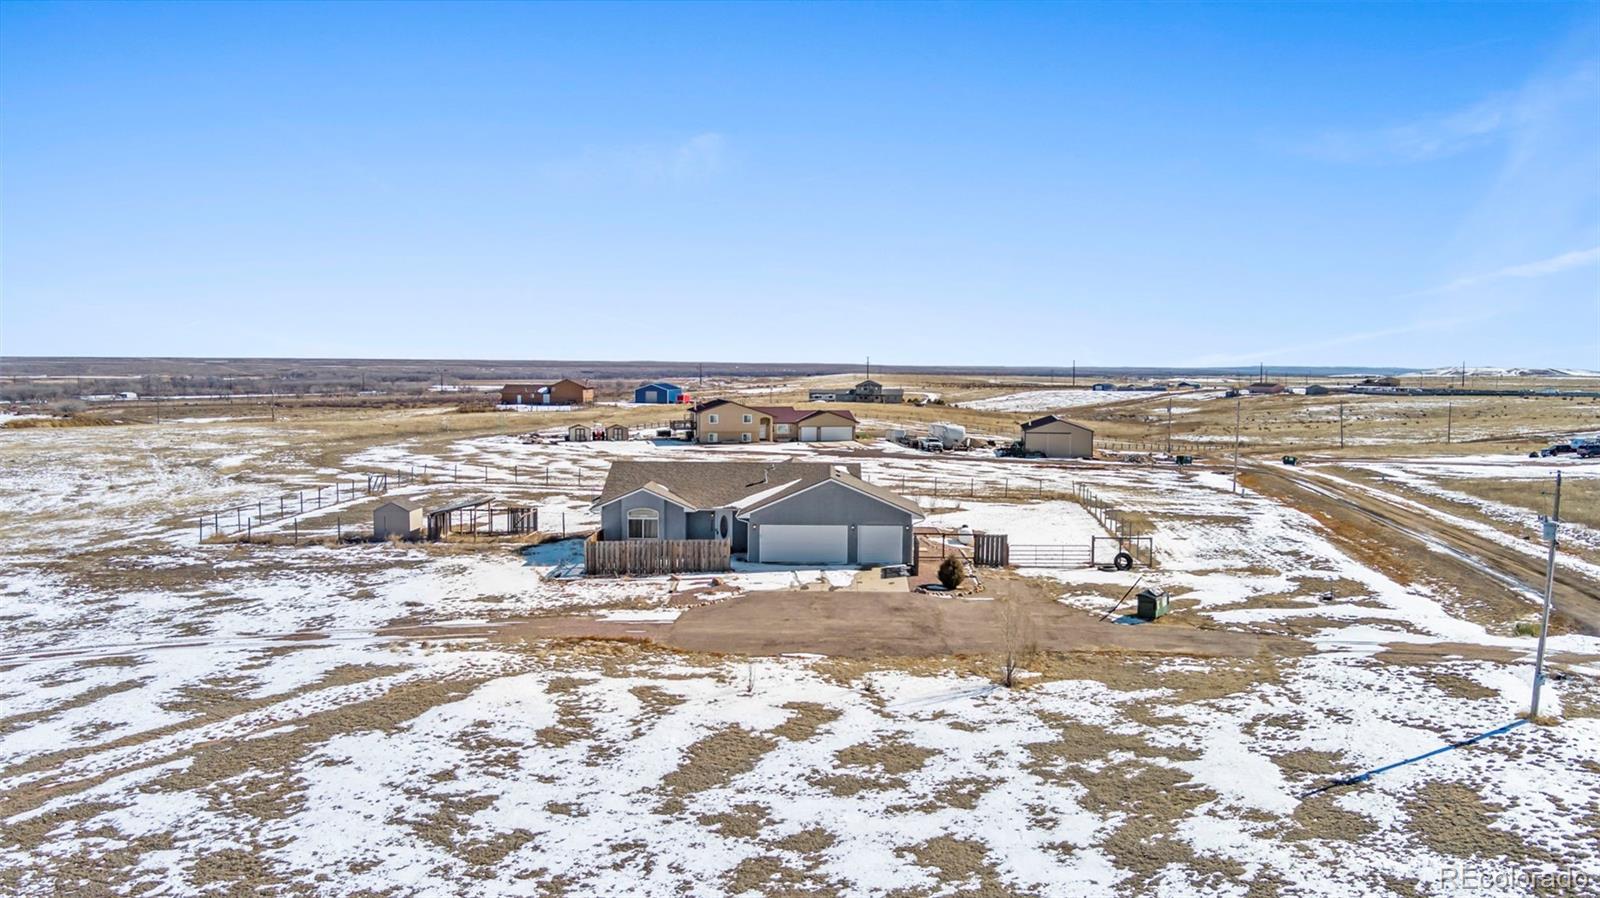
<point x="1123" y="561"/>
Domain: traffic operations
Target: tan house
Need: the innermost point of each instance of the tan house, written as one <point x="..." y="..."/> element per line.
<point x="571" y="392"/>
<point x="726" y="421"/>
<point x="1057" y="438"/>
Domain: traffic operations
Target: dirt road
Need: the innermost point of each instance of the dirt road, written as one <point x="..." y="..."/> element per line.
<point x="1577" y="599"/>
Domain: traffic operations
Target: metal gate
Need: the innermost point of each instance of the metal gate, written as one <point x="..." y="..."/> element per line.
<point x="1104" y="549"/>
<point x="1051" y="556"/>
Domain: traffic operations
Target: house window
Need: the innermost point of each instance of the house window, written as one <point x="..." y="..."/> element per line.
<point x="748" y="419"/>
<point x="711" y="418"/>
<point x="713" y="437"/>
<point x="644" y="523"/>
<point x="782" y="428"/>
<point x="744" y="437"/>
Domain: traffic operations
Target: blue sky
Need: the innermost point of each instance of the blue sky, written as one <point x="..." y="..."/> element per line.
<point x="950" y="183"/>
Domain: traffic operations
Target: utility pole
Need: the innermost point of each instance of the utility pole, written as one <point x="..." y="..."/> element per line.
<point x="1074" y="372"/>
<point x="1341" y="425"/>
<point x="1550" y="526"/>
<point x="1169" y="425"/>
<point x="1238" y="406"/>
<point x="1449" y="420"/>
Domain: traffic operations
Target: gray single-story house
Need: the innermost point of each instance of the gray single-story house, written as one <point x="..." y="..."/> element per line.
<point x="397" y="518"/>
<point x="772" y="513"/>
<point x="1058" y="438"/>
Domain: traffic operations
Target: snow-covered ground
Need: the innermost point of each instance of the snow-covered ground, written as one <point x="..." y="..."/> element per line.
<point x="182" y="719"/>
<point x="1048" y="400"/>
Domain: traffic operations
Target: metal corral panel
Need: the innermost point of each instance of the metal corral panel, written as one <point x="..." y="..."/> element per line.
<point x="805" y="544"/>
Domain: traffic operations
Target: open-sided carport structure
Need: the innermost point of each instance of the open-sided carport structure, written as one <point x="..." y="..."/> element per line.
<point x="477" y="516"/>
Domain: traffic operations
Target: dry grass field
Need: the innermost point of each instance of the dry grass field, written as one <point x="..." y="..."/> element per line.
<point x="356" y="718"/>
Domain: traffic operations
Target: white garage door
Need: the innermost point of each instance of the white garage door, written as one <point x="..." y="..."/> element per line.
<point x="832" y="434"/>
<point x="808" y="433"/>
<point x="879" y="544"/>
<point x="805" y="544"/>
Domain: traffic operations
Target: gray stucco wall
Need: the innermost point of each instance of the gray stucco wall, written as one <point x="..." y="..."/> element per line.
<point x="831" y="503"/>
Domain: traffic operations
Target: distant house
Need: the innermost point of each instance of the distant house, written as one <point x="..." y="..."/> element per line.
<point x="563" y="392"/>
<point x="521" y="394"/>
<point x="570" y="392"/>
<point x="1264" y="389"/>
<point x="726" y="421"/>
<point x="397" y="519"/>
<point x="773" y="513"/>
<point x="1103" y="387"/>
<point x="866" y="391"/>
<point x="1381" y="382"/>
<point x="1317" y="390"/>
<point x="1057" y="438"/>
<point x="658" y="393"/>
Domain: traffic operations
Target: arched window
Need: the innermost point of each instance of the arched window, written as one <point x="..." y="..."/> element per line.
<point x="644" y="523"/>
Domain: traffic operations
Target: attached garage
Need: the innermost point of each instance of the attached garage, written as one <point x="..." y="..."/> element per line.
<point x="805" y="544"/>
<point x="841" y="520"/>
<point x="827" y="427"/>
<point x="880" y="544"/>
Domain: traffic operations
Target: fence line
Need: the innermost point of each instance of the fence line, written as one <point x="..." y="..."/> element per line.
<point x="655" y="556"/>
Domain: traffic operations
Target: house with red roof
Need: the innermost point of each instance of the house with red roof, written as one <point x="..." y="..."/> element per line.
<point x="728" y="421"/>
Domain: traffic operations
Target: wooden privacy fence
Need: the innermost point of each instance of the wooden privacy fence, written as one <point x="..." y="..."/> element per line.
<point x="644" y="557"/>
<point x="991" y="549"/>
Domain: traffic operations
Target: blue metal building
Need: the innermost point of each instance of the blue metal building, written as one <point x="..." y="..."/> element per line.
<point x="660" y="393"/>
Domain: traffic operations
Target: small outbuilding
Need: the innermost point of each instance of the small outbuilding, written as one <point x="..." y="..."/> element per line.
<point x="619" y="432"/>
<point x="1057" y="438"/>
<point x="658" y="393"/>
<point x="400" y="518"/>
<point x="1317" y="390"/>
<point x="1103" y="387"/>
<point x="579" y="433"/>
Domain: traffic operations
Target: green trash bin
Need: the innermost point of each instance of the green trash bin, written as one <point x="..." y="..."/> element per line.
<point x="1152" y="603"/>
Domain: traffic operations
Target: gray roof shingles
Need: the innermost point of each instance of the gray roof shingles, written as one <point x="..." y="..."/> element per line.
<point x="712" y="484"/>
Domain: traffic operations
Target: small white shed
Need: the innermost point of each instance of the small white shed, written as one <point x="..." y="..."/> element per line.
<point x="397" y="518"/>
